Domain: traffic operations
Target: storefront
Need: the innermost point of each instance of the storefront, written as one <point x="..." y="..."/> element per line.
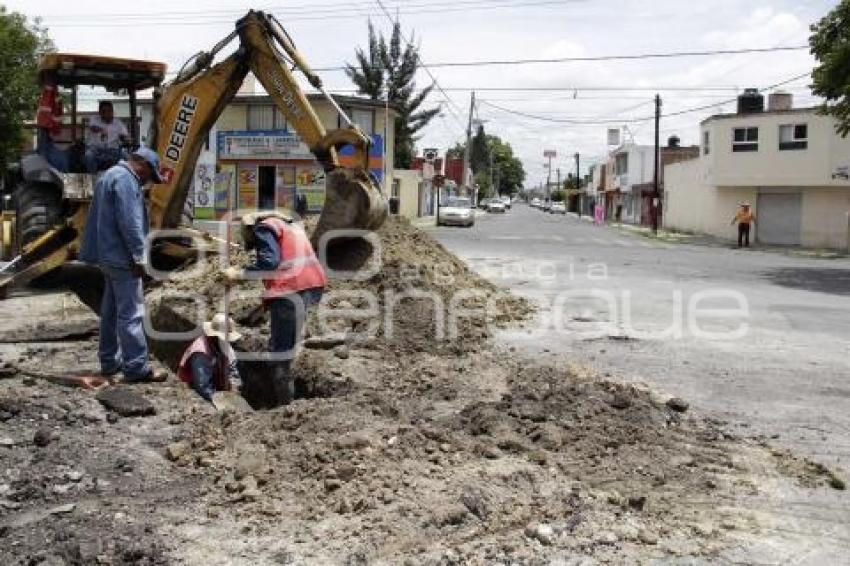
<point x="264" y="170"/>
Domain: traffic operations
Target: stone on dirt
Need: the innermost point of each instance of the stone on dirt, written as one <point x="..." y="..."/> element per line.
<point x="43" y="437"/>
<point x="677" y="404"/>
<point x="325" y="341"/>
<point x="176" y="450"/>
<point x="125" y="402"/>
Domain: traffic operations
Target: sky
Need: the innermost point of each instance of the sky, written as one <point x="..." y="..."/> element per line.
<point x="603" y="93"/>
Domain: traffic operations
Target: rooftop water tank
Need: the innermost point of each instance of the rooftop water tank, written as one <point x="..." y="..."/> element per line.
<point x="750" y="102"/>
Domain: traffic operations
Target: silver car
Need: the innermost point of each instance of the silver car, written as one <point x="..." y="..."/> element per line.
<point x="456" y="211"/>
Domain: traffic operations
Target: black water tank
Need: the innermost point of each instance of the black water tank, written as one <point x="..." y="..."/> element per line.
<point x="673" y="141"/>
<point x="750" y="102"/>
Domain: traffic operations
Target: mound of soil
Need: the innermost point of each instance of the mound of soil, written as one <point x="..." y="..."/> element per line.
<point x="406" y="445"/>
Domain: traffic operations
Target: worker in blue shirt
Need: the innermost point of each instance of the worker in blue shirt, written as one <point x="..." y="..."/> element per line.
<point x="114" y="240"/>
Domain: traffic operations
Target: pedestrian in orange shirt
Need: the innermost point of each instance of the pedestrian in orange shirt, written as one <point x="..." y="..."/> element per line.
<point x="744" y="217"/>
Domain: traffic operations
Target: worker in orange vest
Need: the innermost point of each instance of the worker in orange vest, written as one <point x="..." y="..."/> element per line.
<point x="293" y="279"/>
<point x="745" y="218"/>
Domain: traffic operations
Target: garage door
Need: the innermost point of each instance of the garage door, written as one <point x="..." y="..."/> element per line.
<point x="778" y="218"/>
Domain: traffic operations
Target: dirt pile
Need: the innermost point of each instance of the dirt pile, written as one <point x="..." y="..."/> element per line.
<point x="405" y="446"/>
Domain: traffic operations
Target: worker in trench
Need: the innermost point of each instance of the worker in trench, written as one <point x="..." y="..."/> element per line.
<point x="293" y="279"/>
<point x="209" y="363"/>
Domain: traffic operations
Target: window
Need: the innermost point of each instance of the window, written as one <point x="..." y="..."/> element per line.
<point x="793" y="136"/>
<point x="621" y="164"/>
<point x="364" y="118"/>
<point x="265" y="117"/>
<point x="745" y="139"/>
<point x="706" y="146"/>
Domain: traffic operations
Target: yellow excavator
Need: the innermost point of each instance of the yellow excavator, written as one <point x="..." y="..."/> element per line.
<point x="52" y="205"/>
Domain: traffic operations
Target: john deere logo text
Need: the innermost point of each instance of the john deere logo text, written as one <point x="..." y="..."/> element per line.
<point x="180" y="129"/>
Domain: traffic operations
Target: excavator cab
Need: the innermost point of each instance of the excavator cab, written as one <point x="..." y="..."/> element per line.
<point x="53" y="205"/>
<point x="54" y="180"/>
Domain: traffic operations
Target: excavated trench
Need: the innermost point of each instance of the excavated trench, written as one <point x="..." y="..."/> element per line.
<point x="172" y="319"/>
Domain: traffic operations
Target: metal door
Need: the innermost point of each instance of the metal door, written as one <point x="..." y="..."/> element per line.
<point x="779" y="218"/>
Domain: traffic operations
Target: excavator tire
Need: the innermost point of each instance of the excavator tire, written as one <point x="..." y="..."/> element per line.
<point x="39" y="208"/>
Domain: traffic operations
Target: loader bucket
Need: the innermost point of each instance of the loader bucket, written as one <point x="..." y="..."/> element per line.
<point x="353" y="203"/>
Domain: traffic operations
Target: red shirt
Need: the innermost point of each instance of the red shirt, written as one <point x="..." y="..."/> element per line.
<point x="49" y="110"/>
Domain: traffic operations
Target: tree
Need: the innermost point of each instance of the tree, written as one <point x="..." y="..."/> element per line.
<point x="368" y="75"/>
<point x="479" y="156"/>
<point x="389" y="71"/>
<point x="21" y="46"/>
<point x="830" y="44"/>
<point x="508" y="172"/>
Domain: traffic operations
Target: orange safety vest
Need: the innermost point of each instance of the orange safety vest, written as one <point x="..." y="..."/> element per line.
<point x="201" y="345"/>
<point x="299" y="268"/>
<point x="49" y="110"/>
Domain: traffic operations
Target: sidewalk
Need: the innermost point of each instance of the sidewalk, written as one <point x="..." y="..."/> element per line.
<point x="676" y="237"/>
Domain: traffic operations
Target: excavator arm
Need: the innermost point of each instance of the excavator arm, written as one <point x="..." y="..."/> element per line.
<point x="184" y="112"/>
<point x="187" y="108"/>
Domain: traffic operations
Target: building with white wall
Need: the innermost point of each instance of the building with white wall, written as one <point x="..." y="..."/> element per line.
<point x="789" y="163"/>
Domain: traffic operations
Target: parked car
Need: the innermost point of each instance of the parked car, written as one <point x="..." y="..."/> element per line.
<point x="536" y="202"/>
<point x="456" y="211"/>
<point x="558" y="208"/>
<point x="496" y="205"/>
<point x="506" y="200"/>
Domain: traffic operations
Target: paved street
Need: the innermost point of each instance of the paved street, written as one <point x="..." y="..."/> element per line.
<point x="782" y="369"/>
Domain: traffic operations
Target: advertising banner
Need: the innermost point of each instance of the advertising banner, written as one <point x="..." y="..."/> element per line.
<point x="248" y="186"/>
<point x="261" y="144"/>
<point x="285" y="187"/>
<point x="204" y="191"/>
<point x="310" y="181"/>
<point x="225" y="180"/>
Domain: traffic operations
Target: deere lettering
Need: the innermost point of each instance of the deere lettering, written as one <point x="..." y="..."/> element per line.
<point x="181" y="126"/>
<point x="288" y="99"/>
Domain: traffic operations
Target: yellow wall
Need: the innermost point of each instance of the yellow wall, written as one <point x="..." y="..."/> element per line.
<point x="694" y="205"/>
<point x="825" y="223"/>
<point x="234" y="117"/>
<point x="408" y="192"/>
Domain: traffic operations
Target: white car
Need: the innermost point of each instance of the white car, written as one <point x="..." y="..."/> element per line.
<point x="496" y="206"/>
<point x="558" y="208"/>
<point x="506" y="200"/>
<point x="536" y="202"/>
<point x="456" y="211"/>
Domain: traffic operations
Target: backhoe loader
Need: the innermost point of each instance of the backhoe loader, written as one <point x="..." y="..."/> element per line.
<point x="53" y="205"/>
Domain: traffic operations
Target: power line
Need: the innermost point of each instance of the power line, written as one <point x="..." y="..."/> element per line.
<point x="597" y="58"/>
<point x="357" y="13"/>
<point x="632" y="120"/>
<point x="286" y="10"/>
<point x="425" y="67"/>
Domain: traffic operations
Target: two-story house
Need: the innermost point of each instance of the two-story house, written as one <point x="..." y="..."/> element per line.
<point x="789" y="163"/>
<point x="253" y="154"/>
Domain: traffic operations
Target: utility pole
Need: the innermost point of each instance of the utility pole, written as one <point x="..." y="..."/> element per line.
<point x="559" y="179"/>
<point x="656" y="196"/>
<point x="492" y="185"/>
<point x="468" y="150"/>
<point x="578" y="185"/>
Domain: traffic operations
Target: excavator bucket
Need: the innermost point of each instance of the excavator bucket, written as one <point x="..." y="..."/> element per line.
<point x="354" y="207"/>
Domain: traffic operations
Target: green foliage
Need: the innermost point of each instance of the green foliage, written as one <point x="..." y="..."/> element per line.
<point x="485" y="189"/>
<point x="368" y="75"/>
<point x="508" y="173"/>
<point x="830" y="44"/>
<point x="21" y="45"/>
<point x="558" y="195"/>
<point x="479" y="157"/>
<point x="388" y="71"/>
